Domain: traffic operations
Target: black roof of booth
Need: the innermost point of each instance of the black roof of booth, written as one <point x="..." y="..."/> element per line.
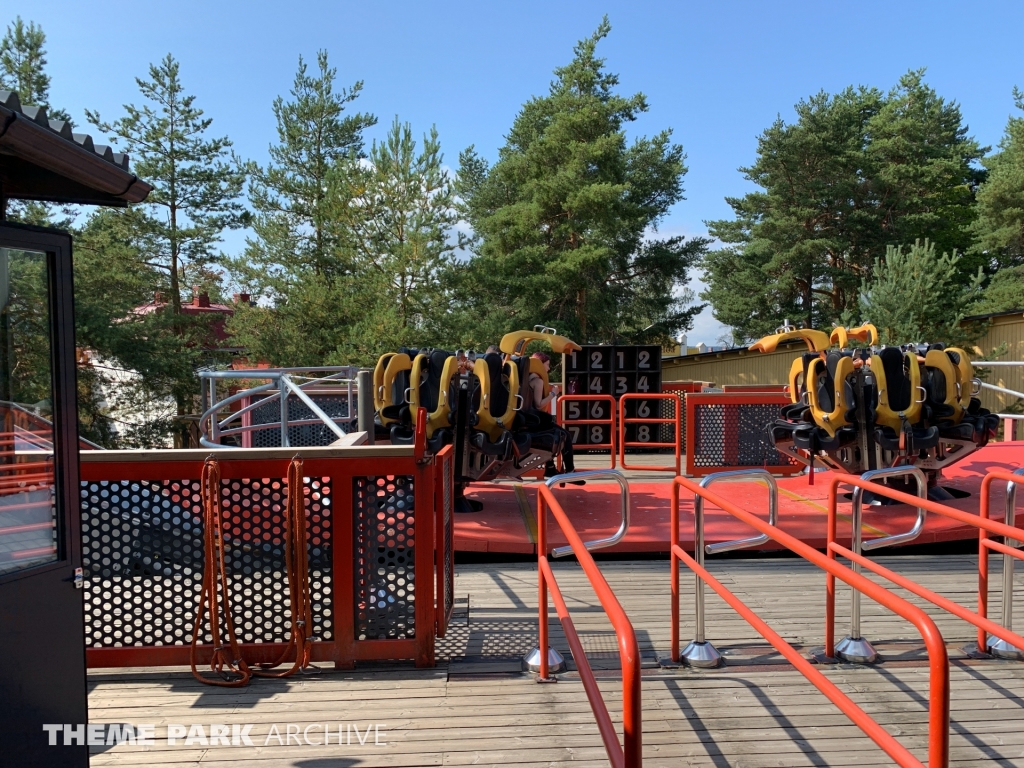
<point x="43" y="159"/>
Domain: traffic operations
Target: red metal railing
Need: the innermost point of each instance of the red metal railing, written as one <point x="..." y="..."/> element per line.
<point x="629" y="754"/>
<point x="938" y="711"/>
<point x="986" y="527"/>
<point x="676" y="420"/>
<point x="606" y="404"/>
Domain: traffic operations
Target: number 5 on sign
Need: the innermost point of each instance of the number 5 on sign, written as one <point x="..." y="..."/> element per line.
<point x="574" y="409"/>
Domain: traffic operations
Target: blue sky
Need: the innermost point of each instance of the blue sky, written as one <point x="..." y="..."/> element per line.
<point x="716" y="73"/>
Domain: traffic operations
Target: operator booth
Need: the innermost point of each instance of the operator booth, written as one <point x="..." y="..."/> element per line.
<point x="41" y="578"/>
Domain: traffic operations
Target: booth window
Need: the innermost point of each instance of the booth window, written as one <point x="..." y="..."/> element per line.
<point x="28" y="502"/>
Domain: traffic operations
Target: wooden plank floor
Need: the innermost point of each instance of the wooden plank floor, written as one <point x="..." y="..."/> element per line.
<point x="479" y="708"/>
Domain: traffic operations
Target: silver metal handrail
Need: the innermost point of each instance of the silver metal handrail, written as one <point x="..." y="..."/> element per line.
<point x="597" y="474"/>
<point x="854" y="647"/>
<point x="742" y="475"/>
<point x="700" y="652"/>
<point x="212" y="429"/>
<point x="997" y="646"/>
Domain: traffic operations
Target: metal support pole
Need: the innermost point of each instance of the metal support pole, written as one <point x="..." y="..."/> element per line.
<point x="364" y="406"/>
<point x="854" y="647"/>
<point x="282" y="393"/>
<point x="700" y="652"/>
<point x="996" y="646"/>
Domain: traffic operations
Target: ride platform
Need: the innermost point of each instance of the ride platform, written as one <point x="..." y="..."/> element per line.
<point x="508" y="524"/>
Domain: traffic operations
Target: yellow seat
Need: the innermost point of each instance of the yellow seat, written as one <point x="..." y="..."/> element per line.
<point x="834" y="418"/>
<point x="816" y="341"/>
<point x="422" y="390"/>
<point x="938" y="360"/>
<point x="965" y="376"/>
<point x="898" y="377"/>
<point x="491" y="395"/>
<point x="394" y="366"/>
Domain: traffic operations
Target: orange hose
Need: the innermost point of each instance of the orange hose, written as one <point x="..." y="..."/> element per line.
<point x="214" y="566"/>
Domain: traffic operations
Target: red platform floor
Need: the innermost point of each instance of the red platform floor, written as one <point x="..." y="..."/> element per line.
<point x="508" y="524"/>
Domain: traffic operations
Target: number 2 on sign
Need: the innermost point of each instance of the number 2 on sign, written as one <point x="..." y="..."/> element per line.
<point x="595" y="360"/>
<point x="644" y="359"/>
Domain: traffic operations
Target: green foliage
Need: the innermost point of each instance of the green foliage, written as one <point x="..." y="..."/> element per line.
<point x="293" y="222"/>
<point x="1000" y="224"/>
<point x="857" y="172"/>
<point x="196" y="184"/>
<point x="1004" y="292"/>
<point x="350" y="248"/>
<point x="23" y="67"/>
<point x="917" y="296"/>
<point x="562" y="220"/>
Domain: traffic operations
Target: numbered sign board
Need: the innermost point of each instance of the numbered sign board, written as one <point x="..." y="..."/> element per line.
<point x="610" y="370"/>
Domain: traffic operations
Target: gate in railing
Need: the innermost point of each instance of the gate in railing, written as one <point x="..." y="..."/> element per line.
<point x="379" y="541"/>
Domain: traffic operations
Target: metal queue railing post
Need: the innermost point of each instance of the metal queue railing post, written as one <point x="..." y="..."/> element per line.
<point x="997" y="646"/>
<point x="854" y="647"/>
<point x="700" y="652"/>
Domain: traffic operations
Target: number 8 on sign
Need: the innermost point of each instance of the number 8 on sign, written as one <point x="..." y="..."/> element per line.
<point x="596" y="434"/>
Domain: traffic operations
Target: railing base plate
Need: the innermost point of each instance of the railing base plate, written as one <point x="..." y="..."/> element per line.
<point x="856" y="650"/>
<point x="703" y="655"/>
<point x="1003" y="649"/>
<point x="556" y="663"/>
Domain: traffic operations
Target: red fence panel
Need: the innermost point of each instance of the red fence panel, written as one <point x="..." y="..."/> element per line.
<point x="643" y="422"/>
<point x="730" y="431"/>
<point x="372" y="552"/>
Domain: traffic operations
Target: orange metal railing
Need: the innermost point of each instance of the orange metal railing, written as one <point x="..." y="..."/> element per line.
<point x="601" y="404"/>
<point x="938" y="710"/>
<point x="676" y="419"/>
<point x="986" y="528"/>
<point x="629" y="754"/>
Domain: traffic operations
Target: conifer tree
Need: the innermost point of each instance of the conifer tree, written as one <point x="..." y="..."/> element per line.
<point x="1000" y="224"/>
<point x="196" y="187"/>
<point x="23" y="70"/>
<point x="857" y="171"/>
<point x="563" y="221"/>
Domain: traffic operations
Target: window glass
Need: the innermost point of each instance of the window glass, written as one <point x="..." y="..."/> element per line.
<point x="28" y="511"/>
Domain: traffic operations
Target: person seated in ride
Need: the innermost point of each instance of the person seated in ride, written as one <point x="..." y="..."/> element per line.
<point x="542" y="405"/>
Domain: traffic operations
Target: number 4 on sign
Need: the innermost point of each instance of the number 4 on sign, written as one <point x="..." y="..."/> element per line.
<point x="642" y="385"/>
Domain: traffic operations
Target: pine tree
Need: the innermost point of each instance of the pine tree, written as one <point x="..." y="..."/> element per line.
<point x="1000" y="224"/>
<point x="918" y="296"/>
<point x="563" y="220"/>
<point x="23" y="67"/>
<point x="196" y="185"/>
<point x="293" y="220"/>
<point x="857" y="172"/>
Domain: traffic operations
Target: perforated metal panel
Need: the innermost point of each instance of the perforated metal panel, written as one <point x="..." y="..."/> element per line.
<point x="384" y="519"/>
<point x="735" y="435"/>
<point x="254" y="512"/>
<point x="142" y="557"/>
<point x="142" y="551"/>
<point x="309" y="435"/>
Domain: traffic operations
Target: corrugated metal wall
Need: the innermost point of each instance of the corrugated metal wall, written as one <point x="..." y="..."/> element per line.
<point x="743" y="367"/>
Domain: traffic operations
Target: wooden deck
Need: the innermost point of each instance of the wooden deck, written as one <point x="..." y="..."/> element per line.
<point x="479" y="708"/>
